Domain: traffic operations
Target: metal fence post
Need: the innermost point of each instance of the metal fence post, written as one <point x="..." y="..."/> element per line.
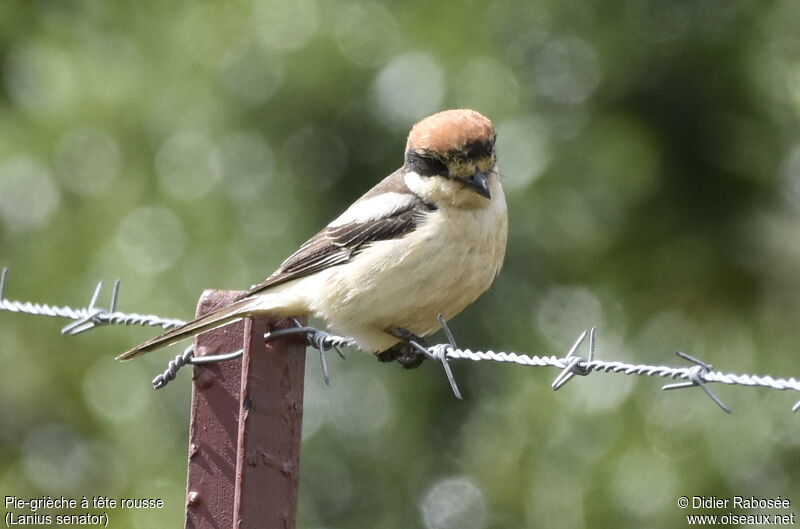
<point x="244" y="450"/>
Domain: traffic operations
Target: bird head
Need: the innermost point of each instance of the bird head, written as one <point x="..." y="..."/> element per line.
<point x="450" y="159"/>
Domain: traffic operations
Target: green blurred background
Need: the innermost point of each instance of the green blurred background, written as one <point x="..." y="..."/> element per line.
<point x="651" y="159"/>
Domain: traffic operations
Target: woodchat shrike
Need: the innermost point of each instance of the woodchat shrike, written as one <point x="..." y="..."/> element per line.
<point x="427" y="240"/>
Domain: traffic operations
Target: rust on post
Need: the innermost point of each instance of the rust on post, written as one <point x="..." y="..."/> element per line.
<point x="214" y="426"/>
<point x="268" y="469"/>
<point x="244" y="439"/>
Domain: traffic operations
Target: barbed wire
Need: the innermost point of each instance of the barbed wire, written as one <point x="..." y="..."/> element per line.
<point x="86" y="317"/>
<point x="697" y="375"/>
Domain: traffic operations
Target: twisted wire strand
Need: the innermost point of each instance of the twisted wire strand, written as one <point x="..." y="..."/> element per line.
<point x="41" y="309"/>
<point x="143" y="320"/>
<point x="171" y="372"/>
<point x="764" y="381"/>
<point x="315" y="338"/>
<point x="613" y="366"/>
<point x="698" y="375"/>
<point x="85" y="317"/>
<point x="95" y="317"/>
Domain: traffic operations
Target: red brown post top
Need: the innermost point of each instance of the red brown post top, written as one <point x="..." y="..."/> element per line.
<point x="244" y="440"/>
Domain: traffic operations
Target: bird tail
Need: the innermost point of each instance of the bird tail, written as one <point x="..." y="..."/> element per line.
<point x="222" y="316"/>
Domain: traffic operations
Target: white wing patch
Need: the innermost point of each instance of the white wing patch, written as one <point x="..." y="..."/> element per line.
<point x="374" y="208"/>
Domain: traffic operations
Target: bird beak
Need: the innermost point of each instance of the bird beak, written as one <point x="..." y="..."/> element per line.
<point x="479" y="183"/>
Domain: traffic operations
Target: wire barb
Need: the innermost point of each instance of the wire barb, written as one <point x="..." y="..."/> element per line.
<point x="115" y="295"/>
<point x="85" y="318"/>
<point x="441" y="352"/>
<point x="88" y="321"/>
<point x="575" y="365"/>
<point x="3" y="276"/>
<point x="696" y="378"/>
<point x="700" y="374"/>
<point x="321" y="340"/>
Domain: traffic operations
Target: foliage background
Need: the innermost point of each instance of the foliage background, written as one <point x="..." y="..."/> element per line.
<point x="651" y="159"/>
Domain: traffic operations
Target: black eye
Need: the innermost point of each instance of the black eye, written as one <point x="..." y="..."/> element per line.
<point x="480" y="149"/>
<point x="425" y="165"/>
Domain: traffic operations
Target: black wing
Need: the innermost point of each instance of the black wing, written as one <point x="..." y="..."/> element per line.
<point x="336" y="245"/>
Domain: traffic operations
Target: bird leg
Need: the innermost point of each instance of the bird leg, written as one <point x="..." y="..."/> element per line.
<point x="404" y="353"/>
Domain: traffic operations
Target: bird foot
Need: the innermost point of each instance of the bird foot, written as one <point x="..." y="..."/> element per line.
<point x="404" y="353"/>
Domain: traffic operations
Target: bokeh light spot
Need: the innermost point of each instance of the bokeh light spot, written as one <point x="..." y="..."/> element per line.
<point x="151" y="239"/>
<point x="454" y="503"/>
<point x="28" y="195"/>
<point x="40" y="78"/>
<point x="567" y="70"/>
<point x="597" y="394"/>
<point x="89" y="161"/>
<point x="251" y="74"/>
<point x="367" y="33"/>
<point x="285" y="24"/>
<point x="644" y="483"/>
<point x="564" y="312"/>
<point x="248" y="164"/>
<point x="363" y="405"/>
<point x="488" y="85"/>
<point x="409" y="88"/>
<point x="114" y="392"/>
<point x="523" y="151"/>
<point x="188" y="165"/>
<point x="667" y="332"/>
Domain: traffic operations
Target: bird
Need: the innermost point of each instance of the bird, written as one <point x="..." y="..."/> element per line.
<point x="425" y="241"/>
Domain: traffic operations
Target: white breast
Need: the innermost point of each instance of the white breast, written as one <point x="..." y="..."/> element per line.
<point x="441" y="267"/>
